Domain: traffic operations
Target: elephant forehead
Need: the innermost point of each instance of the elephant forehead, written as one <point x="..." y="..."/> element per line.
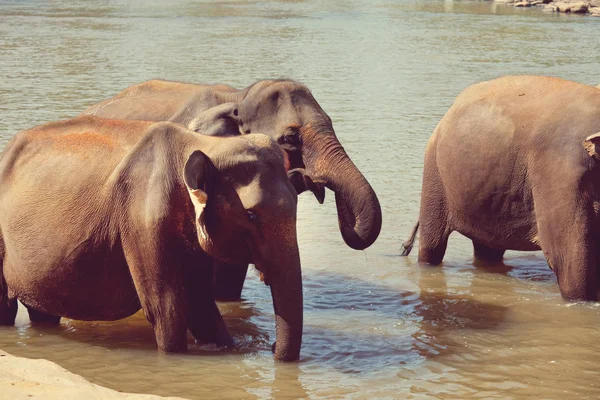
<point x="244" y="162"/>
<point x="263" y="146"/>
<point x="237" y="165"/>
<point x="268" y="195"/>
<point x="247" y="148"/>
<point x="260" y="140"/>
<point x="251" y="195"/>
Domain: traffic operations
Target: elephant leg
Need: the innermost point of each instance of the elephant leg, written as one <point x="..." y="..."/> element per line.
<point x="487" y="254"/>
<point x="204" y="319"/>
<point x="43" y="318"/>
<point x="433" y="218"/>
<point x="8" y="305"/>
<point x="157" y="274"/>
<point x="598" y="277"/>
<point x="567" y="240"/>
<point x="575" y="271"/>
<point x="228" y="280"/>
<point x="166" y="313"/>
<point x="433" y="248"/>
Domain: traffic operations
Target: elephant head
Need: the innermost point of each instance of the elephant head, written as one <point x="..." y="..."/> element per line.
<point x="282" y="109"/>
<point x="287" y="111"/>
<point x="245" y="209"/>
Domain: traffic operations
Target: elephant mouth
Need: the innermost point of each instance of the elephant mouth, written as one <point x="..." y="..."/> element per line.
<point x="264" y="276"/>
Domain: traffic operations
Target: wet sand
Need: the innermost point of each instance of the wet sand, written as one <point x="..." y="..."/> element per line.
<point x="24" y="378"/>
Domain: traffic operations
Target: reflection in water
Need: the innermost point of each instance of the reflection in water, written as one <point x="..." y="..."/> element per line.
<point x="444" y="312"/>
<point x="358" y="331"/>
<point x="286" y="384"/>
<point x="376" y="325"/>
<point x="497" y="267"/>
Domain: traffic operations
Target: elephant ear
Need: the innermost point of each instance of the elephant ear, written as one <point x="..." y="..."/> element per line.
<point x="197" y="175"/>
<point x="591" y="145"/>
<point x="221" y="120"/>
<point x="302" y="182"/>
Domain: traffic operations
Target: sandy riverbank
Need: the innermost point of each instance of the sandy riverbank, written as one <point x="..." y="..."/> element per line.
<point x="23" y="378"/>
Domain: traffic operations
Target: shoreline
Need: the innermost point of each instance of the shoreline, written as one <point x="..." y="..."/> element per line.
<point x="24" y="378"/>
<point x="586" y="7"/>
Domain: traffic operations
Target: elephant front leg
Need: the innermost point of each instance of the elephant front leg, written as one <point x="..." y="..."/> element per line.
<point x="228" y="280"/>
<point x="164" y="307"/>
<point x="169" y="325"/>
<point x="157" y="276"/>
<point x="204" y="319"/>
<point x="166" y="312"/>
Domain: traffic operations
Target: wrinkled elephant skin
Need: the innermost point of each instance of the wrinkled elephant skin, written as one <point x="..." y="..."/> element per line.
<point x="99" y="218"/>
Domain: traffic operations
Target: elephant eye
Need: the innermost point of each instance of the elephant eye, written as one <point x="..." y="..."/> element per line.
<point x="252" y="215"/>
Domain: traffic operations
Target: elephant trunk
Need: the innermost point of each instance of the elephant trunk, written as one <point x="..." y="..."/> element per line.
<point x="359" y="212"/>
<point x="284" y="276"/>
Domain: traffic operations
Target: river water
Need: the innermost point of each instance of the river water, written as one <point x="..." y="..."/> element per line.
<point x="376" y="325"/>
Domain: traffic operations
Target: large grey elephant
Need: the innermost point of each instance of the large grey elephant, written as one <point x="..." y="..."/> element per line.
<point x="286" y="111"/>
<point x="101" y="217"/>
<point x="514" y="165"/>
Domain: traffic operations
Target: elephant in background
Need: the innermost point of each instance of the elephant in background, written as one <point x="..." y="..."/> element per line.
<point x="282" y="109"/>
<point x="515" y="165"/>
<point x="99" y="218"/>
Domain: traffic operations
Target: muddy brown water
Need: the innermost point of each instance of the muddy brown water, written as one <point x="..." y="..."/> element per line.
<point x="376" y="325"/>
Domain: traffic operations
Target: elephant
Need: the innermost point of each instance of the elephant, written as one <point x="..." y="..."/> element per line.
<point x="283" y="109"/>
<point x="514" y="165"/>
<point x="100" y="217"/>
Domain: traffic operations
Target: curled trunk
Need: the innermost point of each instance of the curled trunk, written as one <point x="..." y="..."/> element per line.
<point x="359" y="212"/>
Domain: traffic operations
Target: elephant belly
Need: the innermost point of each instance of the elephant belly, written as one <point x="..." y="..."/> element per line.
<point x="507" y="236"/>
<point x="496" y="220"/>
<point x="86" y="290"/>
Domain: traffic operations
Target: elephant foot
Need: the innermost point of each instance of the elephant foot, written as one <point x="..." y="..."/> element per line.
<point x="228" y="280"/>
<point x="221" y="337"/>
<point x="432" y="254"/>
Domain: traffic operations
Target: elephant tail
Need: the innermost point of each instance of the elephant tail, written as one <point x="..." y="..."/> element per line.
<point x="407" y="246"/>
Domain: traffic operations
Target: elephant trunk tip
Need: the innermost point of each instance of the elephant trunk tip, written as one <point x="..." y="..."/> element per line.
<point x="360" y="224"/>
<point x="357" y="242"/>
<point x="285" y="356"/>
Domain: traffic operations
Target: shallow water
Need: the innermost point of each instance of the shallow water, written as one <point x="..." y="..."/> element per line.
<point x="376" y="325"/>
